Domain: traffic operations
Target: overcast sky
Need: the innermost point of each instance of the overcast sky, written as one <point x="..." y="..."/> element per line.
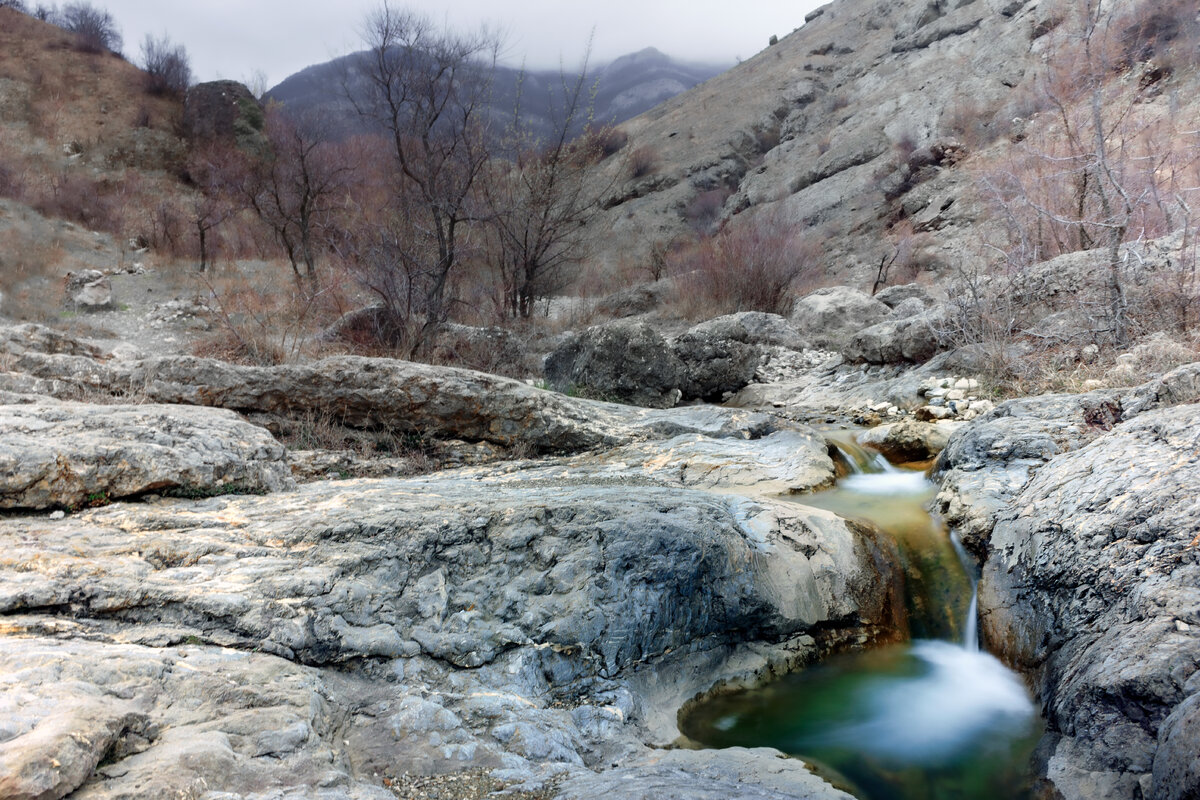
<point x="236" y="38"/>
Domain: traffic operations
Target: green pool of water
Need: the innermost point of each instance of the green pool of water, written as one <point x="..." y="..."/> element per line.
<point x="927" y="720"/>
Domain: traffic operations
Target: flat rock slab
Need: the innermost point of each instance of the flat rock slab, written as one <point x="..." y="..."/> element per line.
<point x="71" y="454"/>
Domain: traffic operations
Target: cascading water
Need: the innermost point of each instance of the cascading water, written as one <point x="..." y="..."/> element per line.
<point x="934" y="718"/>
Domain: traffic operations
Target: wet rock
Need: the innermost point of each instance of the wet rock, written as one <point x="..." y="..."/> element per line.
<point x="909" y="440"/>
<point x="1084" y="507"/>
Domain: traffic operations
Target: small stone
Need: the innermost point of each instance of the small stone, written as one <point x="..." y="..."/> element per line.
<point x="1182" y="626"/>
<point x="929" y="413"/>
<point x="956" y="394"/>
<point x="57" y="514"/>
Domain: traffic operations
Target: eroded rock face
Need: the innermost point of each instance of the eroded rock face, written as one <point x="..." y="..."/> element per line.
<point x="70" y="454"/>
<point x="441" y="402"/>
<point x="314" y="642"/>
<point x="1086" y="510"/>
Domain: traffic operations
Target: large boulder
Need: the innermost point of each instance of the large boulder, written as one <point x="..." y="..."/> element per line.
<point x="828" y="318"/>
<point x="912" y="339"/>
<point x="623" y="361"/>
<point x="72" y="454"/>
<point x="716" y="362"/>
<point x="753" y="327"/>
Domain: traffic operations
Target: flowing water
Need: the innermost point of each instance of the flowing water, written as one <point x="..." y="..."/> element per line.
<point x="935" y="718"/>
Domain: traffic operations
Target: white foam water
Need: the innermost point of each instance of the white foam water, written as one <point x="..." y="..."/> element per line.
<point x="959" y="697"/>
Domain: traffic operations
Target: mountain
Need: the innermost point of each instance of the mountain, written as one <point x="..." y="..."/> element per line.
<point x="626" y="87"/>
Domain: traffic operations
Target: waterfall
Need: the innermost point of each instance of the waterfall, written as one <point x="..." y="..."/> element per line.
<point x="971" y="623"/>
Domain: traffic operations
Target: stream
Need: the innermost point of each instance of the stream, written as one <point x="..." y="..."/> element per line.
<point x="934" y="718"/>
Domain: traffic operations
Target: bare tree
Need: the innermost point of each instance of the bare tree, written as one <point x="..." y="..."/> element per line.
<point x="94" y="28"/>
<point x="427" y="91"/>
<point x="168" y="71"/>
<point x="294" y="190"/>
<point x="540" y="199"/>
<point x="1108" y="172"/>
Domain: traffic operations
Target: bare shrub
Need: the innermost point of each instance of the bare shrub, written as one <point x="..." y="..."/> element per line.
<point x="168" y="70"/>
<point x="642" y="162"/>
<point x="95" y="29"/>
<point x="753" y="266"/>
<point x="609" y="140"/>
<point x="704" y="210"/>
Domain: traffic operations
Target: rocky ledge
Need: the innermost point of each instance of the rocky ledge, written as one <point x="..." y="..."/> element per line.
<point x="1086" y="511"/>
<point x="530" y="625"/>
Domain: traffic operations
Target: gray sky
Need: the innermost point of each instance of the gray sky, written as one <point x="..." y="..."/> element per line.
<point x="236" y="38"/>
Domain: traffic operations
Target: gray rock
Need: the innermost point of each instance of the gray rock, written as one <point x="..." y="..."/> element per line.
<point x="70" y="454"/>
<point x="1087" y="516"/>
<point x="617" y="601"/>
<point x="1176" y="766"/>
<point x="829" y="318"/>
<point x="911" y="339"/>
<point x="714" y="365"/>
<point x="893" y="296"/>
<point x="625" y="362"/>
<point x="753" y="327"/>
<point x="441" y="402"/>
<point x="735" y="772"/>
<point x="88" y="290"/>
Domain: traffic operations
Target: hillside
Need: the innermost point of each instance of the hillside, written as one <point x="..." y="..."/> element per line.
<point x="873" y="122"/>
<point x="85" y="153"/>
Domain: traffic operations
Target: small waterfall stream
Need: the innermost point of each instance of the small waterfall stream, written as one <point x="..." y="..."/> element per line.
<point x="934" y="718"/>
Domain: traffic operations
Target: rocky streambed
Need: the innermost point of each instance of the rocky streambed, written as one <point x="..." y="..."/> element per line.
<point x="533" y="626"/>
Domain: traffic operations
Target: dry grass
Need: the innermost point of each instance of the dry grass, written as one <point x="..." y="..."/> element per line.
<point x="30" y="269"/>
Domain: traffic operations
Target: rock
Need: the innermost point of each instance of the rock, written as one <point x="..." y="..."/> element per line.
<point x="635" y="300"/>
<point x="893" y="296"/>
<point x="1176" y="772"/>
<point x="909" y="440"/>
<point x="88" y="290"/>
<point x="753" y="327"/>
<point x="624" y="362"/>
<point x="317" y="642"/>
<point x="1085" y="511"/>
<point x="73" y="454"/>
<point x="439" y="402"/>
<point x="495" y="350"/>
<point x="714" y="364"/>
<point x="911" y="339"/>
<point x="829" y="318"/>
<point x="758" y="774"/>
